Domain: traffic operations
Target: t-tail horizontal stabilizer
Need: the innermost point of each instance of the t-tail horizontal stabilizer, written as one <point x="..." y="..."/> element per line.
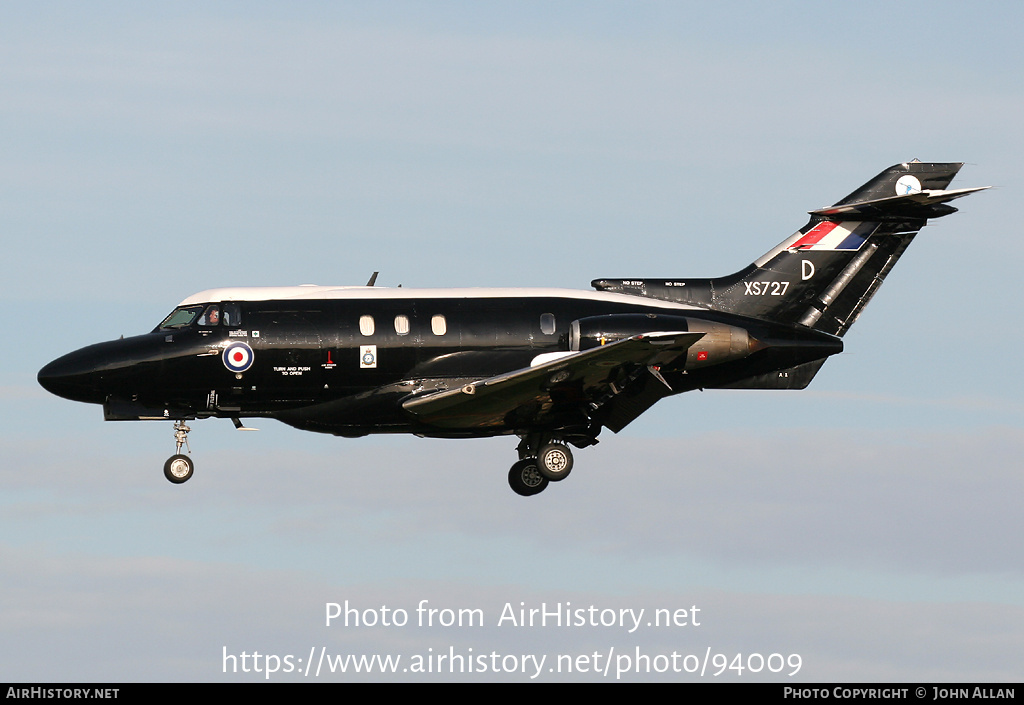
<point x="920" y="204"/>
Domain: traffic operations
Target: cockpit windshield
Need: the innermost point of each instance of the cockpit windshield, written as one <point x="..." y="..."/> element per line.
<point x="181" y="317"/>
<point x="203" y="315"/>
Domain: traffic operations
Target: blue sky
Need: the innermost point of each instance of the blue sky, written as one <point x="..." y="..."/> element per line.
<point x="866" y="523"/>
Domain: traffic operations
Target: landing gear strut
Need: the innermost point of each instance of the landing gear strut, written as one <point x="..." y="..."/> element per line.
<point x="179" y="468"/>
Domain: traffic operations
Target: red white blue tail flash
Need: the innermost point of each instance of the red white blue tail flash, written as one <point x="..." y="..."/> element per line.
<point x="829" y="235"/>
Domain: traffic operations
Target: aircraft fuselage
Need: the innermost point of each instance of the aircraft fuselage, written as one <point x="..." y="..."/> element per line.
<point x="341" y="360"/>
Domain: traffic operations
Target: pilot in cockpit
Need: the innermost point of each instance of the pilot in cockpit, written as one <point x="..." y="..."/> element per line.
<point x="211" y="317"/>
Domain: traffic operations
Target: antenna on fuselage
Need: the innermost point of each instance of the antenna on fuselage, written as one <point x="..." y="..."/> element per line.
<point x="238" y="424"/>
<point x="373" y="279"/>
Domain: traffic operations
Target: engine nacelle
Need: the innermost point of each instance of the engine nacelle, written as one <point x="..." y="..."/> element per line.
<point x="721" y="342"/>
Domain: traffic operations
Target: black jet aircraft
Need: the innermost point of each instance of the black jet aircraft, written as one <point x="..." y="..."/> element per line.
<point x="551" y="366"/>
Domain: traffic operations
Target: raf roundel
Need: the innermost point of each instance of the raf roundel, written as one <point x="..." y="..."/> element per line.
<point x="238" y="357"/>
<point x="907" y="184"/>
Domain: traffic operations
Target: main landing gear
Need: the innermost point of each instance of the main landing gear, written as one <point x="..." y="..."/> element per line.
<point x="525" y="479"/>
<point x="542" y="460"/>
<point x="179" y="468"/>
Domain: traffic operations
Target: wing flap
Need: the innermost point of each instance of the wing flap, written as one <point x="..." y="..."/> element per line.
<point x="562" y="388"/>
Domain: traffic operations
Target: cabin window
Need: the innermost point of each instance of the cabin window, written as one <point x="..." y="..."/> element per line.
<point x="438" y="324"/>
<point x="547" y="323"/>
<point x="231" y="314"/>
<point x="211" y="316"/>
<point x="366" y="326"/>
<point x="402" y="325"/>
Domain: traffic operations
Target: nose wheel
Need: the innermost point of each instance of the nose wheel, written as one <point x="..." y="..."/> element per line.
<point x="179" y="468"/>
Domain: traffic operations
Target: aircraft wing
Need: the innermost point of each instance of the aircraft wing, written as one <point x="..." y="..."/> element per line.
<point x="562" y="389"/>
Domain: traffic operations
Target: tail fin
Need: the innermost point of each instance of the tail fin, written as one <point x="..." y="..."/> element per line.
<point x="823" y="275"/>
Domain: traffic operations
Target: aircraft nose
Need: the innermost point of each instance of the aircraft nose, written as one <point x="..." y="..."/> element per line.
<point x="71" y="376"/>
<point x="113" y="368"/>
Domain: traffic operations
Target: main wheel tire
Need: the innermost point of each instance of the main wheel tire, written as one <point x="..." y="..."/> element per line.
<point x="525" y="479"/>
<point x="179" y="468"/>
<point x="554" y="461"/>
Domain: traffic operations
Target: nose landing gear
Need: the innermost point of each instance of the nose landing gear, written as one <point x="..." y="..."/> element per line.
<point x="179" y="468"/>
